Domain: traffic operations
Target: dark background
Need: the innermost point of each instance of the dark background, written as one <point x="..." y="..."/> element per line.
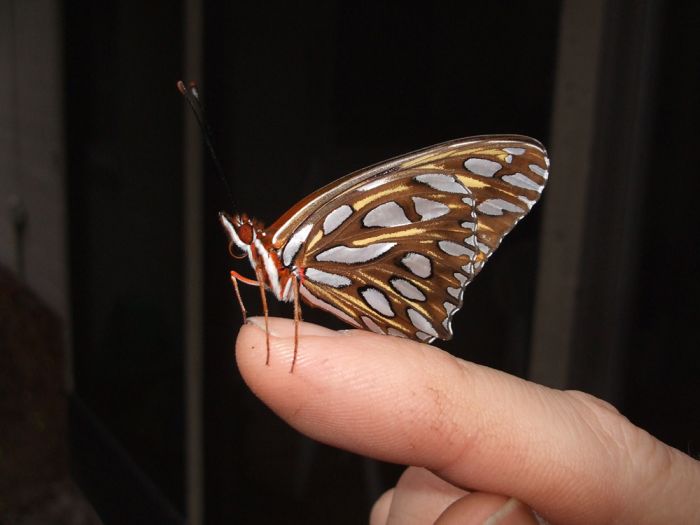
<point x="298" y="96"/>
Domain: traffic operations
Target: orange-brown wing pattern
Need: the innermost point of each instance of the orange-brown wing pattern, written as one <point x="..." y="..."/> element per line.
<point x="391" y="248"/>
<point x="506" y="176"/>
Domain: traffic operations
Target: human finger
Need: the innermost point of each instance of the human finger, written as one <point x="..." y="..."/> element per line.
<point x="564" y="454"/>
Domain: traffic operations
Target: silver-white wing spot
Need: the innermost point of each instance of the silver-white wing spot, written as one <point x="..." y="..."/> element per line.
<point x="407" y="289"/>
<point x="469" y="225"/>
<point x="461" y="278"/>
<point x="514" y="151"/>
<point x="386" y="215"/>
<point x="292" y="247"/>
<point x="369" y="323"/>
<point x="377" y="301"/>
<point x="442" y="182"/>
<point x="449" y="310"/>
<point x="453" y="248"/>
<point x="528" y="202"/>
<point x="468" y="201"/>
<point x="482" y="167"/>
<point x="348" y="255"/>
<point x="539" y="171"/>
<point x="336" y="218"/>
<point x="454" y="292"/>
<point x="429" y="209"/>
<point x="417" y="264"/>
<point x="497" y="207"/>
<point x="420" y="322"/>
<point x="330" y="279"/>
<point x="509" y="158"/>
<point x="521" y="181"/>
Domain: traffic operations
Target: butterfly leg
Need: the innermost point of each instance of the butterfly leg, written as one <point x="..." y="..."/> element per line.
<point x="302" y="277"/>
<point x="297" y="320"/>
<point x="244" y="312"/>
<point x="235" y="277"/>
<point x="263" y="297"/>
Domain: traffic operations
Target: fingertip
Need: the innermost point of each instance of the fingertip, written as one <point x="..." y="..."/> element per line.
<point x="251" y="345"/>
<point x="281" y="327"/>
<point x="479" y="508"/>
<point x="323" y="358"/>
<point x="379" y="514"/>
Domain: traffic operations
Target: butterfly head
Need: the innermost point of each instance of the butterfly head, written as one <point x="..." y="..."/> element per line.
<point x="242" y="232"/>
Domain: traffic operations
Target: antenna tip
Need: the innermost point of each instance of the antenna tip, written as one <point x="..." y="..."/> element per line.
<point x="181" y="87"/>
<point x="194" y="89"/>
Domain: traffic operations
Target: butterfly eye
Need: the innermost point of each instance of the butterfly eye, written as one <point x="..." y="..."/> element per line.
<point x="246" y="233"/>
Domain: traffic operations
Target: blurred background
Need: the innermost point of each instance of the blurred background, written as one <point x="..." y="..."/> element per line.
<point x="120" y="401"/>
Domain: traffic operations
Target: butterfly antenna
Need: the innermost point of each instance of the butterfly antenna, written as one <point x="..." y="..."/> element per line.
<point x="191" y="94"/>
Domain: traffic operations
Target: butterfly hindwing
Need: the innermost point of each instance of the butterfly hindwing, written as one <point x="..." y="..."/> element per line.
<point x="400" y="257"/>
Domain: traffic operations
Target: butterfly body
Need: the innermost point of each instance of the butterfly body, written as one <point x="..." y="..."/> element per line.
<point x="253" y="242"/>
<point x="390" y="248"/>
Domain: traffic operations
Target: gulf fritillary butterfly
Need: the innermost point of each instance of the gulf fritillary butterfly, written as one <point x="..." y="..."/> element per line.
<point x="391" y="248"/>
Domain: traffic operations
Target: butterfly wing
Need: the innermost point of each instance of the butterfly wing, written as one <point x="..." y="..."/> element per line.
<point x="391" y="248"/>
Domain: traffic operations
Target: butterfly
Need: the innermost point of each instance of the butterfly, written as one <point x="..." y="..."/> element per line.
<point x="391" y="248"/>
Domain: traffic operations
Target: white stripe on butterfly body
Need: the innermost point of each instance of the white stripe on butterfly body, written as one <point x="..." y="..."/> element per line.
<point x="391" y="248"/>
<point x="270" y="268"/>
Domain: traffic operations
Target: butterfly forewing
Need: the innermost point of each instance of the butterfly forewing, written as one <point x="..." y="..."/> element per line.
<point x="391" y="248"/>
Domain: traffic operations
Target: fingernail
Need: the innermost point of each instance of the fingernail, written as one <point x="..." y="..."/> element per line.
<point x="501" y="514"/>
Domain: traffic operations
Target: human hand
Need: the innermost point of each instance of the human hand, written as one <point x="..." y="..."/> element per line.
<point x="485" y="442"/>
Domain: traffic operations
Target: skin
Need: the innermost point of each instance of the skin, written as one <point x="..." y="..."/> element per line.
<point x="486" y="447"/>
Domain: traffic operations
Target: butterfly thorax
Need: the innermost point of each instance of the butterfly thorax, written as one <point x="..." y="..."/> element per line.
<point x="249" y="239"/>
